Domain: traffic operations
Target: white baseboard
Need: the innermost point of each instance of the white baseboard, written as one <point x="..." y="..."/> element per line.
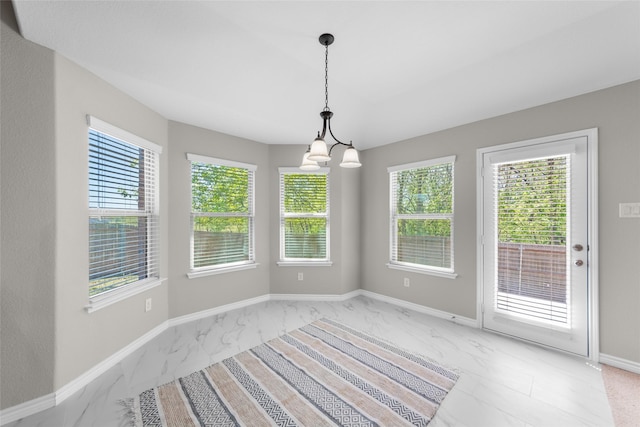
<point x="466" y="321"/>
<point x="34" y="406"/>
<point x="217" y="310"/>
<point x="314" y="297"/>
<point x="618" y="362"/>
<point x="70" y="388"/>
<point x="25" y="409"/>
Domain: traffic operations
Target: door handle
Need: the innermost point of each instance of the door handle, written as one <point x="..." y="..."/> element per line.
<point x="577" y="247"/>
<point x="579" y="263"/>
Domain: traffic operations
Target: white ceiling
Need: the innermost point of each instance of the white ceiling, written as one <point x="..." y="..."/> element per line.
<point x="397" y="69"/>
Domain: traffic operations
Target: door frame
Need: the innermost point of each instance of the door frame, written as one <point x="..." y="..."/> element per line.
<point x="593" y="311"/>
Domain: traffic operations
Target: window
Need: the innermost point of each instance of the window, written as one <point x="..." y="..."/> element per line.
<point x="422" y="216"/>
<point x="304" y="216"/>
<point x="222" y="215"/>
<point x="123" y="213"/>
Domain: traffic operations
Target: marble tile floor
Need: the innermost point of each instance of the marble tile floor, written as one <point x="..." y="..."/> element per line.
<point x="503" y="382"/>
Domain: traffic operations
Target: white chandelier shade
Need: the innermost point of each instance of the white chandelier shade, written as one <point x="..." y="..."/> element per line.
<point x="319" y="151"/>
<point x="308" y="165"/>
<point x="350" y="158"/>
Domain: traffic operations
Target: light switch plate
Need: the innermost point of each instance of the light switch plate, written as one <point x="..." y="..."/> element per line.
<point x="629" y="210"/>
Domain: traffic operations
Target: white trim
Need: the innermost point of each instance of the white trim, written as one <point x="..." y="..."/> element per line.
<point x="39" y="404"/>
<point x="618" y="362"/>
<point x="257" y="300"/>
<point x="500" y="156"/>
<point x="282" y="215"/>
<point x="249" y="215"/>
<point x="594" y="246"/>
<point x="80" y="382"/>
<point x="422" y="164"/>
<point x="211" y="271"/>
<point x="395" y="217"/>
<point x="30" y="407"/>
<point x="480" y="238"/>
<point x="297" y="170"/>
<point x="151" y="152"/>
<point x="593" y="229"/>
<point x="461" y="320"/>
<point x="51" y="400"/>
<point x="428" y="271"/>
<point x="111" y="297"/>
<point x="316" y="297"/>
<point x="221" y="162"/>
<point x="305" y="263"/>
<point x="121" y="134"/>
<point x="217" y="310"/>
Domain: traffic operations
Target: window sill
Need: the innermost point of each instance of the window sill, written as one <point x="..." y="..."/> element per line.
<point x="221" y="270"/>
<point x="305" y="263"/>
<point x="101" y="301"/>
<point x="437" y="273"/>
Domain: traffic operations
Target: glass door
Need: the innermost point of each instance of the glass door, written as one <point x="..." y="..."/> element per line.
<point x="535" y="281"/>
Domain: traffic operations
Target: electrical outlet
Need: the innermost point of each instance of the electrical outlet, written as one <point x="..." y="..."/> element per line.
<point x="406" y="282"/>
<point x="147" y="305"/>
<point x="629" y="210"/>
<point x="300" y="276"/>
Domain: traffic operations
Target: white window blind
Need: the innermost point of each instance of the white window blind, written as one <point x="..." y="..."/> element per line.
<point x="222" y="213"/>
<point x="304" y="215"/>
<point x="531" y="214"/>
<point x="123" y="209"/>
<point x="421" y="196"/>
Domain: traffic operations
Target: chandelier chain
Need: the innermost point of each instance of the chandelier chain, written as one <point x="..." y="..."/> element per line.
<point x="326" y="77"/>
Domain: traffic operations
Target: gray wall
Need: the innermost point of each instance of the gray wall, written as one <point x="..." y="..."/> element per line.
<point x="84" y="339"/>
<point x="189" y="296"/>
<point x="615" y="112"/>
<point x="48" y="339"/>
<point x="344" y="191"/>
<point x="192" y="295"/>
<point x="27" y="217"/>
<point x="45" y="99"/>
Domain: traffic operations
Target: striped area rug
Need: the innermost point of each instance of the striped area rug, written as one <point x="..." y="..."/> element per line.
<point x="322" y="374"/>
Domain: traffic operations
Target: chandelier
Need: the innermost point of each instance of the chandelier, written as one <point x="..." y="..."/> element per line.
<point x="317" y="151"/>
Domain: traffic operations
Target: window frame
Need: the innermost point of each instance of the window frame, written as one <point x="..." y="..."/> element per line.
<point x="309" y="262"/>
<point x="394" y="216"/>
<point x="195" y="272"/>
<point x="111" y="296"/>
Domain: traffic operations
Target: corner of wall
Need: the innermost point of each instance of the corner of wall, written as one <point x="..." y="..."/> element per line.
<point x="27" y="292"/>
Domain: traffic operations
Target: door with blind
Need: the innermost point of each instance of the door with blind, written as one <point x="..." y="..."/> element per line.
<point x="535" y="242"/>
